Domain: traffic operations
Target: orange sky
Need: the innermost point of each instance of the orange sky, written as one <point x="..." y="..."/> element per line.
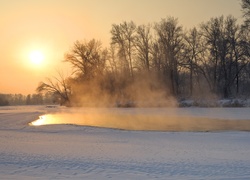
<point x="52" y="26"/>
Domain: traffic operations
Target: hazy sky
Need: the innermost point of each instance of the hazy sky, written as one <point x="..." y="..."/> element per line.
<point x="52" y="26"/>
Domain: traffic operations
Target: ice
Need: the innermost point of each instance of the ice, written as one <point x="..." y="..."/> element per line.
<point x="83" y="152"/>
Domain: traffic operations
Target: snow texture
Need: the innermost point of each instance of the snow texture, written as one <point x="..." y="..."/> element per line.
<point x="84" y="152"/>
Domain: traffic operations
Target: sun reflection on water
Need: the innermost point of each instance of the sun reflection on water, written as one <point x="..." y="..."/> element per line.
<point x="39" y="121"/>
<point x="49" y="119"/>
<point x="44" y="120"/>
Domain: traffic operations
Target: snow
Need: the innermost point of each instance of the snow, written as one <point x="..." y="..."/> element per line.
<point x="85" y="152"/>
<point x="232" y="102"/>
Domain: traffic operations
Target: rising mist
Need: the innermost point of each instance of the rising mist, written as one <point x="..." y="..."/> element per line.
<point x="153" y="119"/>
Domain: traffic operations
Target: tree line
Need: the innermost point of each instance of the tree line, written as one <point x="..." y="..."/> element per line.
<point x="30" y="99"/>
<point x="156" y="63"/>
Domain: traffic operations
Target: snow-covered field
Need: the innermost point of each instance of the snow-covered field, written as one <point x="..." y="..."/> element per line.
<point x="84" y="152"/>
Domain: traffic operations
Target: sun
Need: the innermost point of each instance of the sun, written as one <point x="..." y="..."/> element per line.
<point x="36" y="57"/>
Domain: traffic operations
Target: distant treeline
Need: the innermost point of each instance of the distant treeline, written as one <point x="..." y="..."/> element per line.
<point x="30" y="99"/>
<point x="156" y="63"/>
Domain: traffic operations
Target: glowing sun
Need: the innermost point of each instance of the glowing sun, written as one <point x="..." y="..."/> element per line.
<point x="36" y="57"/>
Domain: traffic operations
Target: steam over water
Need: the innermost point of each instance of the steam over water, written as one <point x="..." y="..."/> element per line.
<point x="155" y="119"/>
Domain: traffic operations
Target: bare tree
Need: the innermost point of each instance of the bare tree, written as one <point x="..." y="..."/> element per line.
<point x="157" y="57"/>
<point x="123" y="36"/>
<point x="194" y="54"/>
<point x="112" y="64"/>
<point x="58" y="86"/>
<point x="87" y="59"/>
<point x="212" y="35"/>
<point x="246" y="12"/>
<point x="171" y="41"/>
<point x="143" y="41"/>
<point x="224" y="41"/>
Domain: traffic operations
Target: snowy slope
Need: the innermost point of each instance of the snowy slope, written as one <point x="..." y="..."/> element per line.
<point x="81" y="152"/>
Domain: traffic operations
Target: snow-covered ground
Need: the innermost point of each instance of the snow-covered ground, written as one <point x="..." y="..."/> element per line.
<point x="84" y="152"/>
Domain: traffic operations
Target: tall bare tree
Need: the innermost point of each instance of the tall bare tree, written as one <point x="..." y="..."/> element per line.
<point x="123" y="35"/>
<point x="246" y="12"/>
<point x="171" y="41"/>
<point x="143" y="42"/>
<point x="212" y="34"/>
<point x="194" y="56"/>
<point x="87" y="59"/>
<point x="246" y="27"/>
<point x="226" y="60"/>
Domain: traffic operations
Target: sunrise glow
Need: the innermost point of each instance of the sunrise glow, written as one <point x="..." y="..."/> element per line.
<point x="39" y="121"/>
<point x="46" y="120"/>
<point x="36" y="57"/>
<point x="37" y="34"/>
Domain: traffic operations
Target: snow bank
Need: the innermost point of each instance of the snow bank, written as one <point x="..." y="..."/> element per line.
<point x="215" y="103"/>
